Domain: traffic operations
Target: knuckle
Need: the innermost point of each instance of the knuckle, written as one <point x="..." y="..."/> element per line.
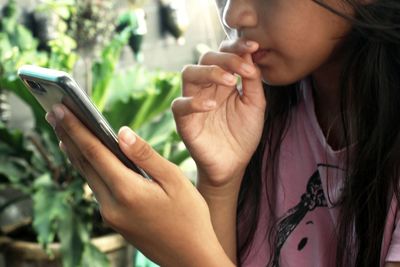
<point x="109" y="215"/>
<point x="174" y="170"/>
<point x="178" y="180"/>
<point x="175" y="104"/>
<point x="186" y="72"/>
<point x="91" y="151"/>
<point x="124" y="197"/>
<point x="69" y="124"/>
<point x="236" y="60"/>
<point x="205" y="57"/>
<point x="214" y="71"/>
<point x="79" y="163"/>
<point x="144" y="152"/>
<point x="186" y="68"/>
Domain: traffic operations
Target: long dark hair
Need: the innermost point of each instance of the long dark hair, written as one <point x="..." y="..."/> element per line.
<point x="370" y="114"/>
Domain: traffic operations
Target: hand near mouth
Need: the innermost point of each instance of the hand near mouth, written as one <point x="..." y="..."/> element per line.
<point x="220" y="126"/>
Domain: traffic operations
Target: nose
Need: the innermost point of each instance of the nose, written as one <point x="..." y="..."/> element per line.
<point x="239" y="14"/>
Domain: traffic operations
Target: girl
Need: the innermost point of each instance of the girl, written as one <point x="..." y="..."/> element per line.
<point x="300" y="167"/>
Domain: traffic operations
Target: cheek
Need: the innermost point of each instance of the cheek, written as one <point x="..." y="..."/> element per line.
<point x="293" y="65"/>
<point x="301" y="51"/>
<point x="303" y="36"/>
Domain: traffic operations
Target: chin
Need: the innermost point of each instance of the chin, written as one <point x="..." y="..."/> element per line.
<point x="274" y="78"/>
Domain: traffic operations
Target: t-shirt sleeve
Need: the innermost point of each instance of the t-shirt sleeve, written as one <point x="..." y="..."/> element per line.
<point x="393" y="253"/>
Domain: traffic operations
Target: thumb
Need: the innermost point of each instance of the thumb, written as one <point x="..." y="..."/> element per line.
<point x="253" y="91"/>
<point x="145" y="157"/>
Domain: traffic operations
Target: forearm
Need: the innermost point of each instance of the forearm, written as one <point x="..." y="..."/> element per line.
<point x="209" y="255"/>
<point x="222" y="203"/>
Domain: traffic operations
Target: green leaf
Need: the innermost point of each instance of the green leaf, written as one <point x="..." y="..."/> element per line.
<point x="92" y="256"/>
<point x="71" y="243"/>
<point x="158" y="131"/>
<point x="50" y="142"/>
<point x="15" y="157"/>
<point x="157" y="100"/>
<point x="169" y="84"/>
<point x="15" y="169"/>
<point x="49" y="207"/>
<point x="103" y="70"/>
<point x="179" y="156"/>
<point x="125" y="83"/>
<point x="23" y="39"/>
<point x="141" y="102"/>
<point x="13" y="139"/>
<point x="57" y="212"/>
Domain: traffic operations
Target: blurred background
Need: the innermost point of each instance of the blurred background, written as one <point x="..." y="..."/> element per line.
<point x="127" y="56"/>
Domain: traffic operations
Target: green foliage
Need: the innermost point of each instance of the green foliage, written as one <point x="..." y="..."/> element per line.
<point x="62" y="8"/>
<point x="103" y="70"/>
<point x="15" y="158"/>
<point x="93" y="257"/>
<point x="18" y="47"/>
<point x="146" y="108"/>
<point x="138" y="98"/>
<point x="33" y="163"/>
<point x="65" y="213"/>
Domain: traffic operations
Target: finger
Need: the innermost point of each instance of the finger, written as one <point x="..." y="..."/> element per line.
<point x="184" y="106"/>
<point x="104" y="199"/>
<point x="113" y="171"/>
<point x="229" y="62"/>
<point x="239" y="46"/>
<point x="252" y="87"/>
<point x="99" y="188"/>
<point x="141" y="153"/>
<point x="204" y="76"/>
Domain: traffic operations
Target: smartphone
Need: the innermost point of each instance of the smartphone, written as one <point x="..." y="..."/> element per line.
<point x="51" y="87"/>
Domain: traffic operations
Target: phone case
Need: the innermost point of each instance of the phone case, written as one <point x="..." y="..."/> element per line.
<point x="50" y="87"/>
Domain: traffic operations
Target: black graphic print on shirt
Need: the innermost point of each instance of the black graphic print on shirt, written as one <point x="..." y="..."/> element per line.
<point x="313" y="197"/>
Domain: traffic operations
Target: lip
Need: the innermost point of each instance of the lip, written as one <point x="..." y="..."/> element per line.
<point x="260" y="55"/>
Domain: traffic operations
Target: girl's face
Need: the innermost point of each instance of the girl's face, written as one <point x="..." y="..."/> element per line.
<point x="296" y="37"/>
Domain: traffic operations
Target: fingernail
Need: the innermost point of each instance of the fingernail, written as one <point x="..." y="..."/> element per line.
<point x="58" y="112"/>
<point x="209" y="104"/>
<point x="247" y="68"/>
<point x="229" y="78"/>
<point x="51" y="119"/>
<point x="127" y="136"/>
<point x="250" y="43"/>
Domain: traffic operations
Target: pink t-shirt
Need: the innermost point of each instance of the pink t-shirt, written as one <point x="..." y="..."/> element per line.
<point x="305" y="197"/>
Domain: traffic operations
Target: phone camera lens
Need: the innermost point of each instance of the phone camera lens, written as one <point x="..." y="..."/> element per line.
<point x="36" y="87"/>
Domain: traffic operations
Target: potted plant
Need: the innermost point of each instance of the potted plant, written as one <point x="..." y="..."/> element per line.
<point x="61" y="214"/>
<point x="32" y="167"/>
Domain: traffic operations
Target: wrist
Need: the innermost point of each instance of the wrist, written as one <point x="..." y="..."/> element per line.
<point x="225" y="194"/>
<point x="228" y="186"/>
<point x="222" y="202"/>
<point x="218" y="195"/>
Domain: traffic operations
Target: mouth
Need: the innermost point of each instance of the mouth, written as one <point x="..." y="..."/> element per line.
<point x="260" y="54"/>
